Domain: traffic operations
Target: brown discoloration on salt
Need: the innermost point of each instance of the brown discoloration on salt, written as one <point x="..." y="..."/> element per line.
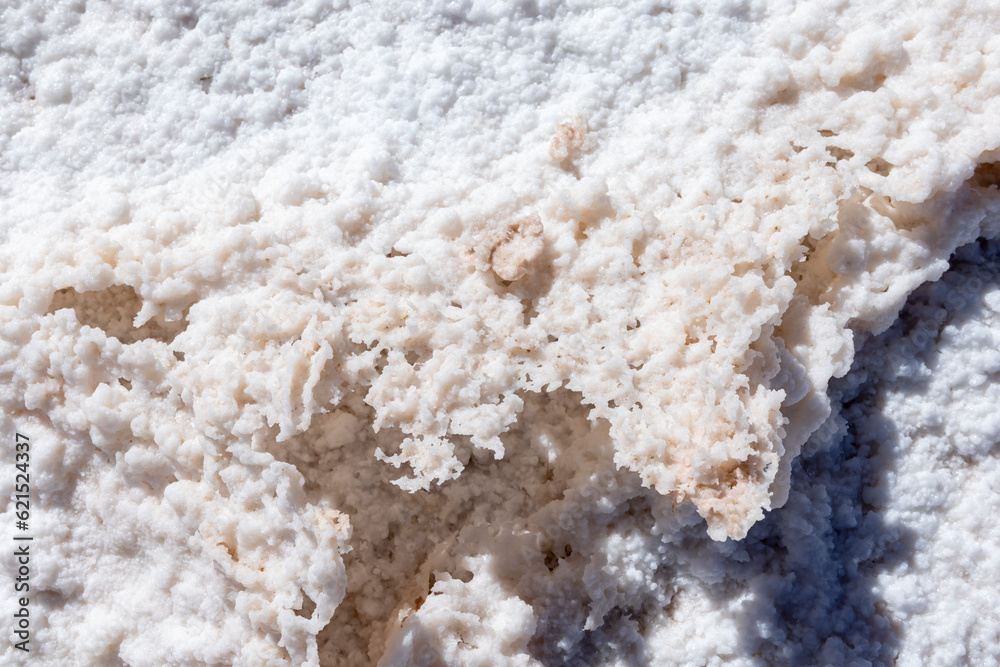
<point x="571" y="138"/>
<point x="513" y="251"/>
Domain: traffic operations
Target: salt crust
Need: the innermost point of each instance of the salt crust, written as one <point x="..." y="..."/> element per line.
<point x="939" y="394"/>
<point x="428" y="218"/>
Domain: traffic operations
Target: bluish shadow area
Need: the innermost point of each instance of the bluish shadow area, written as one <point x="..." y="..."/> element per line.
<point x="816" y="599"/>
<point x="803" y="587"/>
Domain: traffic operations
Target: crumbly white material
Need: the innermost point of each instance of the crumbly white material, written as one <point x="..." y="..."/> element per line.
<point x="940" y="398"/>
<point x="444" y="331"/>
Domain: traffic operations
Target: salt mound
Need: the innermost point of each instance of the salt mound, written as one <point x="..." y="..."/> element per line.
<point x="255" y="255"/>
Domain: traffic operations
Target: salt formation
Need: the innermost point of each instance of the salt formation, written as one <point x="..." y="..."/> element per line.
<point x="938" y="402"/>
<point x="450" y="322"/>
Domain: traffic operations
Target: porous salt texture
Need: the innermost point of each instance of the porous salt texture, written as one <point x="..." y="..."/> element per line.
<point x="936" y="407"/>
<point x="450" y="322"/>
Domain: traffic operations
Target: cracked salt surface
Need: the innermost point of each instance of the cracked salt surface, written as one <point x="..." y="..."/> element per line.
<point x="466" y="333"/>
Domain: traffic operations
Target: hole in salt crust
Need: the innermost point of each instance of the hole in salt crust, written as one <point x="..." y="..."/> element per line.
<point x="231" y="550"/>
<point x="879" y="166"/>
<point x="528" y="311"/>
<point x="308" y="607"/>
<point x="839" y="154"/>
<point x="987" y="175"/>
<point x="113" y="310"/>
